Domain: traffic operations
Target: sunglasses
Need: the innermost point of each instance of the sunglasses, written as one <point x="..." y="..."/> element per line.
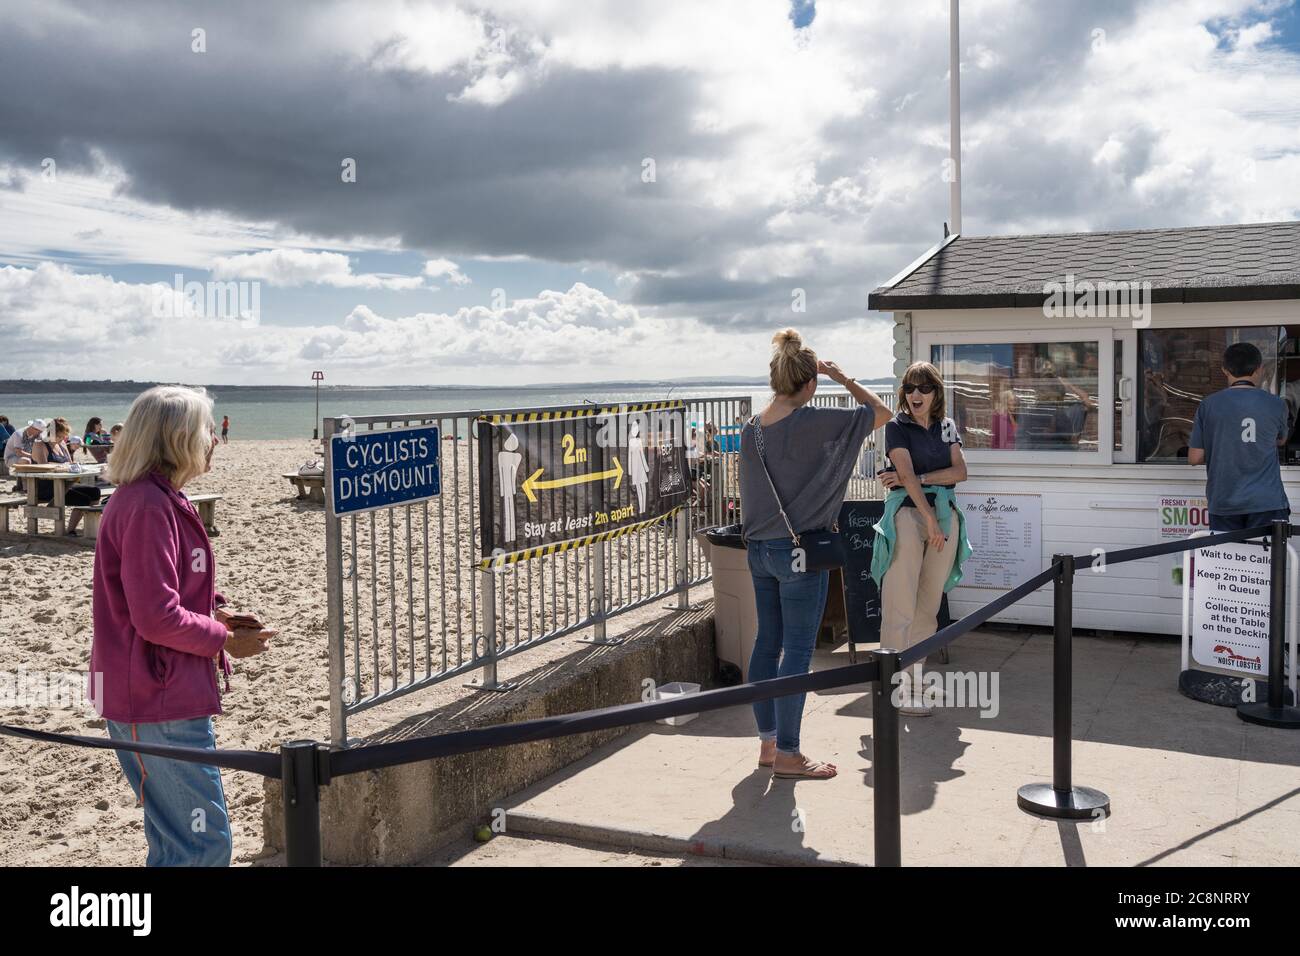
<point x="923" y="389"/>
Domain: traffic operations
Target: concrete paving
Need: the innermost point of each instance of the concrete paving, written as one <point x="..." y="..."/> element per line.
<point x="1190" y="783"/>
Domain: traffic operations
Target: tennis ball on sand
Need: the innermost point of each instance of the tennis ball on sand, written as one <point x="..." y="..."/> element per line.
<point x="482" y="833"/>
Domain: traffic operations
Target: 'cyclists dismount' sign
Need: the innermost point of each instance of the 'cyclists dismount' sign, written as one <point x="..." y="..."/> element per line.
<point x="371" y="470"/>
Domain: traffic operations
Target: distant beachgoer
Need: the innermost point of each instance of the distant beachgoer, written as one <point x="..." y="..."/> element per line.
<point x="162" y="631"/>
<point x="225" y="429"/>
<point x="5" y="429"/>
<point x="18" y="447"/>
<point x="115" y="433"/>
<point x="98" y="442"/>
<point x="52" y="449"/>
<point x="809" y="453"/>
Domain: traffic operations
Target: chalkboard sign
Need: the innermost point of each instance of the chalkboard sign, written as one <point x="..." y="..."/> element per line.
<point x="861" y="597"/>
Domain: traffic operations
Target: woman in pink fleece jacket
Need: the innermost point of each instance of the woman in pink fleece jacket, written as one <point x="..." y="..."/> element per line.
<point x="160" y="637"/>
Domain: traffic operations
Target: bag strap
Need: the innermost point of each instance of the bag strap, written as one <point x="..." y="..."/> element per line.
<point x="762" y="460"/>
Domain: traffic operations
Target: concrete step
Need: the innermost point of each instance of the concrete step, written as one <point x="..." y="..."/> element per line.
<point x="517" y="849"/>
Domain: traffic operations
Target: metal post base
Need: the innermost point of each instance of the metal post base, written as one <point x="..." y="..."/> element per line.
<point x="601" y="641"/>
<point x="496" y="686"/>
<point x="1078" y="803"/>
<point x="1266" y="716"/>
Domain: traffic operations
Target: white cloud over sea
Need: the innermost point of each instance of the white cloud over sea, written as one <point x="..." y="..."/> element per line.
<point x="501" y="218"/>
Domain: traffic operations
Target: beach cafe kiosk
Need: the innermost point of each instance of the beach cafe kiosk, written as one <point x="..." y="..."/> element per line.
<point x="1074" y="364"/>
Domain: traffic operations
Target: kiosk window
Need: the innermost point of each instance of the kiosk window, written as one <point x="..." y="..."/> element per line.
<point x="1023" y="396"/>
<point x="1179" y="367"/>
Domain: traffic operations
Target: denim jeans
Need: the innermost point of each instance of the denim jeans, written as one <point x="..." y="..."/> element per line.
<point x="185" y="820"/>
<point x="1241" y="522"/>
<point x="790" y="605"/>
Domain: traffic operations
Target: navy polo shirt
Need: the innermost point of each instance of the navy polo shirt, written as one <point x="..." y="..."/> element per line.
<point x="930" y="448"/>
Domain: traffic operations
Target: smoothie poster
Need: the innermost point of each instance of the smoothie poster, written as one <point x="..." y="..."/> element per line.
<point x="564" y="478"/>
<point x="1177" y="519"/>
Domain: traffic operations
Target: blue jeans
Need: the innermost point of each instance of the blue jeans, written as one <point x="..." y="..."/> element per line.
<point x="1241" y="522"/>
<point x="790" y="605"/>
<point x="185" y="820"/>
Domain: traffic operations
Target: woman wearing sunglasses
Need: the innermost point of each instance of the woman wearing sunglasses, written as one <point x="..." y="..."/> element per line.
<point x="921" y="538"/>
<point x="795" y="463"/>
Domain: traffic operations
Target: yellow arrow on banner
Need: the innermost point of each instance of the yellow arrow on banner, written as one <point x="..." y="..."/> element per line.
<point x="534" y="482"/>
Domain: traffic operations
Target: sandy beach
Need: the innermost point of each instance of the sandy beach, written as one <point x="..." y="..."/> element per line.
<point x="71" y="806"/>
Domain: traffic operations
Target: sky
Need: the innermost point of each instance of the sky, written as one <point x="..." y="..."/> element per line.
<point x="532" y="191"/>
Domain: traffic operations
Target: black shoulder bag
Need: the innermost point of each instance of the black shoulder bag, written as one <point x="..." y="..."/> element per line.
<point x="818" y="550"/>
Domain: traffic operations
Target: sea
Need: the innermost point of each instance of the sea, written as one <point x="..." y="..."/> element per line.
<point x="289" y="412"/>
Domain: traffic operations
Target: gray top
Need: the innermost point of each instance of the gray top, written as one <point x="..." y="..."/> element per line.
<point x="1239" y="429"/>
<point x="810" y="455"/>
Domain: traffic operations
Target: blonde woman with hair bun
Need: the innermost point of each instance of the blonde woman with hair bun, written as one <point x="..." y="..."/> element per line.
<point x="809" y="453"/>
<point x="162" y="633"/>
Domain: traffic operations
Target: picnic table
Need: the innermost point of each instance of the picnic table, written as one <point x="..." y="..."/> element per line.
<point x="57" y="508"/>
<point x="310" y="487"/>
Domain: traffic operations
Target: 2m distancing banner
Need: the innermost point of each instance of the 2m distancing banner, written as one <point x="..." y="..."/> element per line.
<point x="562" y="478"/>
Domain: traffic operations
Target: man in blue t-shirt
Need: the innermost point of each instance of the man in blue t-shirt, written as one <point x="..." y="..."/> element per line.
<point x="1236" y="435"/>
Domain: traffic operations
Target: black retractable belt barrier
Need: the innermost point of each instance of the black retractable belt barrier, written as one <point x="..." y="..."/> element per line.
<point x="1274" y="712"/>
<point x="1061" y="799"/>
<point x="885" y="766"/>
<point x="305" y="766"/>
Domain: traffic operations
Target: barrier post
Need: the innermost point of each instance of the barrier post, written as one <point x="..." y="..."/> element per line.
<point x="488" y="680"/>
<point x="681" y="525"/>
<point x="303" y="768"/>
<point x="1060" y="799"/>
<point x="885" y="765"/>
<point x="1274" y="712"/>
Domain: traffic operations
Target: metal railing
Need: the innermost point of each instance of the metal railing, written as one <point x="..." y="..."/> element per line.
<point x="409" y="606"/>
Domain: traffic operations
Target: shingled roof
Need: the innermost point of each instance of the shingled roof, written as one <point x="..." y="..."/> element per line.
<point x="1200" y="264"/>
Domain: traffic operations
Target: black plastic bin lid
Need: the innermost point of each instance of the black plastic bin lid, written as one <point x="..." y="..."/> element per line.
<point x="726" y="536"/>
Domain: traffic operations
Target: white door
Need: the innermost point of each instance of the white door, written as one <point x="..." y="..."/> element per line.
<point x="1126" y="365"/>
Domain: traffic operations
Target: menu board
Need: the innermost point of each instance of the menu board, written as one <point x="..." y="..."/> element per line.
<point x="1230" y="608"/>
<point x="1006" y="535"/>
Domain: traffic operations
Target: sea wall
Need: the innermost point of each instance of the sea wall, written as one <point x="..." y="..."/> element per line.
<point x="402" y="815"/>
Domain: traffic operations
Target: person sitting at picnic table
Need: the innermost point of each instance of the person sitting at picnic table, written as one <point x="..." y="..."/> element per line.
<point x="161" y="631"/>
<point x="115" y="433"/>
<point x="6" y="430"/>
<point x="98" y="442"/>
<point x="52" y="449"/>
<point x="18" y="447"/>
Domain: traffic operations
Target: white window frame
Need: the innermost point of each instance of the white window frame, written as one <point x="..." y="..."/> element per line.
<point x="1103" y="337"/>
<point x="1127" y="454"/>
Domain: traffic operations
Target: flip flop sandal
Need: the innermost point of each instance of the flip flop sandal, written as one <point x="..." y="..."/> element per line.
<point x="809" y="772"/>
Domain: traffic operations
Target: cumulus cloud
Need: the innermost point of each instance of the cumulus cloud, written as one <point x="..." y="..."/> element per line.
<point x="515" y="132"/>
<point x="445" y="269"/>
<point x="296" y="267"/>
<point x="52" y="318"/>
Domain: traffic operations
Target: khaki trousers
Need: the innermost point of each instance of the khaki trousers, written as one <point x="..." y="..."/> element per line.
<point x="913" y="585"/>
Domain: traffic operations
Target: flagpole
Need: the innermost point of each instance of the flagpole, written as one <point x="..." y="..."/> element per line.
<point x="954" y="117"/>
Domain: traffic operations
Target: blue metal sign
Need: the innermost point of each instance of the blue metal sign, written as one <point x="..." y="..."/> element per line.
<point x="372" y="470"/>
